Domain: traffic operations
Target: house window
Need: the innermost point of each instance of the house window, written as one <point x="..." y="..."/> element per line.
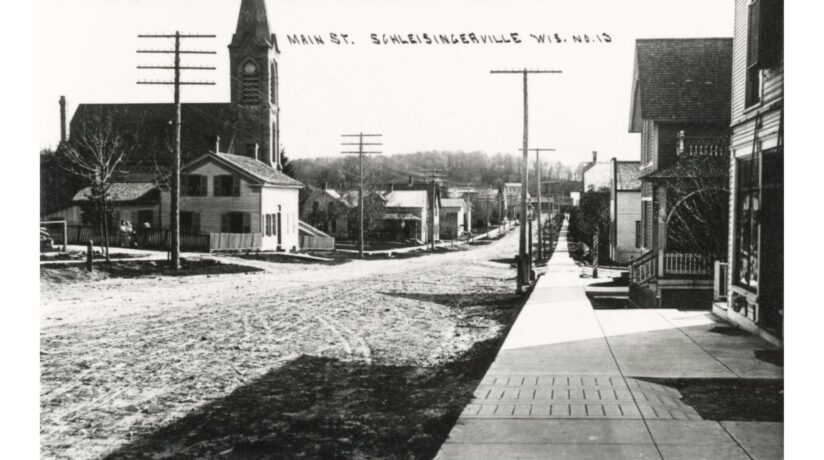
<point x="274" y="76"/>
<point x="315" y="206"/>
<point x="193" y="185"/>
<point x="250" y="91"/>
<point x="747" y="228"/>
<point x="637" y="233"/>
<point x="765" y="44"/>
<point x="236" y="222"/>
<point x="189" y="223"/>
<point x="227" y="185"/>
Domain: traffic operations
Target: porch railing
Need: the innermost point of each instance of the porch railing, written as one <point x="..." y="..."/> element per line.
<point x="677" y="263"/>
<point x="644" y="268"/>
<point x="719" y="281"/>
<point x="702" y="146"/>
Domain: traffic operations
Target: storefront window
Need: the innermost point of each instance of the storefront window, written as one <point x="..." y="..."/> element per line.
<point x="748" y="206"/>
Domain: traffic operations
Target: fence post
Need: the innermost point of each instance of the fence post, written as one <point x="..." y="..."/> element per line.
<point x="89" y="255"/>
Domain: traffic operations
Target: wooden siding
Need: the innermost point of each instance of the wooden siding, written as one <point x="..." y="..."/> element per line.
<point x="773" y="89"/>
<point x="287" y="199"/>
<point x="211" y="207"/>
<point x="628" y="212"/>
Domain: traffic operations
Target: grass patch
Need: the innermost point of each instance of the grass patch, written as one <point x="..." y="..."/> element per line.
<point x="62" y="273"/>
<point x="744" y="400"/>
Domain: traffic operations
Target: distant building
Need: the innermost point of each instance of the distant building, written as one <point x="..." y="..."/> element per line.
<point x="455" y="217"/>
<point x="596" y="175"/>
<point x="511" y="200"/>
<point x="407" y="215"/>
<point x="325" y="209"/>
<point x="624" y="211"/>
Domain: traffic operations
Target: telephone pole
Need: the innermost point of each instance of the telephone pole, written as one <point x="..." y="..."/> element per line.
<point x="525" y="266"/>
<point x="538" y="179"/>
<point x="175" y="182"/>
<point x="360" y="152"/>
<point x="433" y="175"/>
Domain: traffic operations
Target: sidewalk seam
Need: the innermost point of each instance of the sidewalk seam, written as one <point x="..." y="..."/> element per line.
<point x="624" y="377"/>
<point x="698" y="344"/>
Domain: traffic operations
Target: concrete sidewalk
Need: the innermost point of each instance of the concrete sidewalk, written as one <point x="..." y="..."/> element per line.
<point x="572" y="382"/>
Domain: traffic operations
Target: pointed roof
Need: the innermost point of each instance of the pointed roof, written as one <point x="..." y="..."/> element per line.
<point x="253" y="22"/>
<point x="254" y="170"/>
<point x="681" y="79"/>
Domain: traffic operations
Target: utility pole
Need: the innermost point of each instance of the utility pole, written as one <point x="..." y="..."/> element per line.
<point x="175" y="182"/>
<point x="538" y="179"/>
<point x="433" y="174"/>
<point x="360" y="152"/>
<point x="525" y="265"/>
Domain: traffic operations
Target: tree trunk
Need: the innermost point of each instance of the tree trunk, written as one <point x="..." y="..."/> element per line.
<point x="106" y="226"/>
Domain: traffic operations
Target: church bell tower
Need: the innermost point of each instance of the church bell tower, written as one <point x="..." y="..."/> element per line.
<point x="253" y="67"/>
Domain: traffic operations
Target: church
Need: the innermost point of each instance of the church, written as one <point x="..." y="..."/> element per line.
<point x="232" y="178"/>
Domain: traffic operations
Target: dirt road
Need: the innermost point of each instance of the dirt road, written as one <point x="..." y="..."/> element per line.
<point x="128" y="364"/>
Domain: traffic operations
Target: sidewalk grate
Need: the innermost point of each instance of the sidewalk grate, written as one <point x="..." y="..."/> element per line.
<point x="576" y="396"/>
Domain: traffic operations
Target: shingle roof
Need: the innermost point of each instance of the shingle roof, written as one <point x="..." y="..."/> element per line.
<point x="406" y="199"/>
<point x="628" y="175"/>
<point x="260" y="170"/>
<point x="151" y="127"/>
<point x="682" y="79"/>
<point x="120" y="191"/>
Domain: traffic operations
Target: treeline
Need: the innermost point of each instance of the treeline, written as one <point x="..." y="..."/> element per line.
<point x="476" y="168"/>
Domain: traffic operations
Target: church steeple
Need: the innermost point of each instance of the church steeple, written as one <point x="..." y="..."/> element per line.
<point x="253" y="25"/>
<point x="253" y="62"/>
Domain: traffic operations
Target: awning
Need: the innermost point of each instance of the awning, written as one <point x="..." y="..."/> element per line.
<point x="398" y="216"/>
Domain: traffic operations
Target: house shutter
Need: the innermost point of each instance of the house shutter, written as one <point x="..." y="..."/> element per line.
<point x="216" y="182"/>
<point x="224" y="223"/>
<point x="204" y="186"/>
<point x="247" y="222"/>
<point x="753" y="17"/>
<point x="196" y="223"/>
<point x="235" y="185"/>
<point x="770" y="33"/>
<point x="184" y="184"/>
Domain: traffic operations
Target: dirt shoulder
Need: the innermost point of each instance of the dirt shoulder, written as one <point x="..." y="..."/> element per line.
<point x="363" y="359"/>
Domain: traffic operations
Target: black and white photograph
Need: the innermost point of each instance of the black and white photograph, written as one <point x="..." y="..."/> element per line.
<point x="275" y="229"/>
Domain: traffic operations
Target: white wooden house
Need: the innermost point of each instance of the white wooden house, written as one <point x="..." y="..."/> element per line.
<point x="624" y="211"/>
<point x="455" y="217"/>
<point x="223" y="193"/>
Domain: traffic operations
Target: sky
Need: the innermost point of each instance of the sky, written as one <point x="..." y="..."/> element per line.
<point x="420" y="97"/>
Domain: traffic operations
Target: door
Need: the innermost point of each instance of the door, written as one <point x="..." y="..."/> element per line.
<point x="771" y="265"/>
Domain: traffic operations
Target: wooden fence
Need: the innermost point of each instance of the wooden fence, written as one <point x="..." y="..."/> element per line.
<point x="317" y="243"/>
<point x="229" y="241"/>
<point x="146" y="239"/>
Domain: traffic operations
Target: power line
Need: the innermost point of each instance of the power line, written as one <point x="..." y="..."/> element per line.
<point x="525" y="266"/>
<point x="175" y="192"/>
<point x="361" y="152"/>
<point x="538" y="179"/>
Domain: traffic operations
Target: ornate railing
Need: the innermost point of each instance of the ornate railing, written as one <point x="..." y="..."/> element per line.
<point x="702" y="146"/>
<point x="677" y="263"/>
<point x="643" y="268"/>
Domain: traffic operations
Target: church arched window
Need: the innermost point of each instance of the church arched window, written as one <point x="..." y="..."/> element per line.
<point x="274" y="76"/>
<point x="250" y="76"/>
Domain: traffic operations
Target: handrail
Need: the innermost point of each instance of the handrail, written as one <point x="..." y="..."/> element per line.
<point x="702" y="146"/>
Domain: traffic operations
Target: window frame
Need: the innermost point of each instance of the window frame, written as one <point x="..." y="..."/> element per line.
<point x="220" y="187"/>
<point x="747" y="227"/>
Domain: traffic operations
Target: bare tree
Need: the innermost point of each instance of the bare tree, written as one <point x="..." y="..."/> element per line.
<point x="698" y="207"/>
<point x="96" y="153"/>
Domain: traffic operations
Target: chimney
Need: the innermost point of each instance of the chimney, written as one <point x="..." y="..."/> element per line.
<point x="62" y="119"/>
<point x="595" y="156"/>
<point x="257" y="151"/>
<point x="411" y="180"/>
<point x="391" y="186"/>
<point x="217" y="144"/>
<point x="326" y="185"/>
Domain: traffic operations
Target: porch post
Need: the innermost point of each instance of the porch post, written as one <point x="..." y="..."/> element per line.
<point x="662" y="228"/>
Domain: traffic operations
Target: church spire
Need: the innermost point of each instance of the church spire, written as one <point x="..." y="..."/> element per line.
<point x="253" y="23"/>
